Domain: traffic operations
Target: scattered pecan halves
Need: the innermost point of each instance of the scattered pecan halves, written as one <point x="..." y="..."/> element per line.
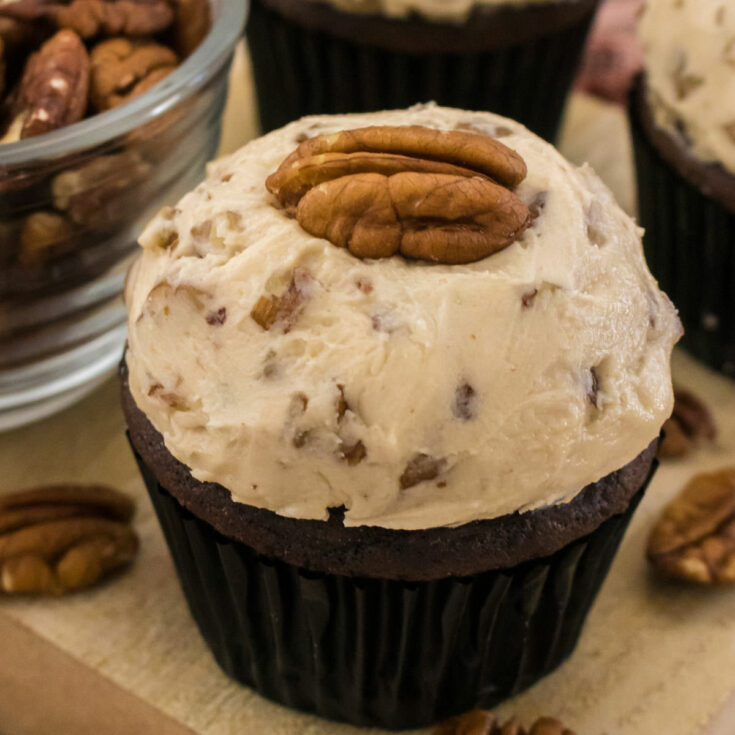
<point x="62" y="538"/>
<point x="123" y="69"/>
<point x="436" y="195"/>
<point x="53" y="89"/>
<point x="694" y="539"/>
<point x="483" y="722"/>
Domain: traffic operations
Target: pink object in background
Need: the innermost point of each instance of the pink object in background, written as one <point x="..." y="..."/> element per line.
<point x="613" y="54"/>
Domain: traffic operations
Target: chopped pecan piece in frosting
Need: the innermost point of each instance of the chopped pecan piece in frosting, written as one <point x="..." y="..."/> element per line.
<point x="421" y="468"/>
<point x="465" y="402"/>
<point x="436" y="195"/>
<point x="285" y="309"/>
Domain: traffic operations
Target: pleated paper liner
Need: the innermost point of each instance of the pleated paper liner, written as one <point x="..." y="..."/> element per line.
<point x="300" y="71"/>
<point x="690" y="248"/>
<point x="377" y="652"/>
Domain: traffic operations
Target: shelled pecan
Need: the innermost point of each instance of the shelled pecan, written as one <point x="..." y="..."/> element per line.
<point x="442" y="196"/>
<point x="690" y="423"/>
<point x="123" y="69"/>
<point x="54" y="88"/>
<point x="694" y="540"/>
<point x="192" y="19"/>
<point x="63" y="538"/>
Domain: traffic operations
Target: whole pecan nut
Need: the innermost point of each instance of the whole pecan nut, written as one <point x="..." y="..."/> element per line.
<point x="63" y="538"/>
<point x="482" y="722"/>
<point x="54" y="85"/>
<point x="123" y="69"/>
<point x="436" y="195"/>
<point x="694" y="539"/>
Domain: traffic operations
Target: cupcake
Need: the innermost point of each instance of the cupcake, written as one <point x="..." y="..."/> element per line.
<point x="514" y="57"/>
<point x="395" y="383"/>
<point x="683" y="120"/>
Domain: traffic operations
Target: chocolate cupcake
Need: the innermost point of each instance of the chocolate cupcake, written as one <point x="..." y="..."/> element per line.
<point x="683" y="121"/>
<point x="394" y="382"/>
<point x="513" y="57"/>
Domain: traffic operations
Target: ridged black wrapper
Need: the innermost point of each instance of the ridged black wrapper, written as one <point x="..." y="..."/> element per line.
<point x="690" y="247"/>
<point x="384" y="653"/>
<point x="524" y="73"/>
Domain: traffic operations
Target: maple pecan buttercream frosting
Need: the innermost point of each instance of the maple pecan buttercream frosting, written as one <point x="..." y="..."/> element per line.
<point x="428" y="388"/>
<point x="444" y="11"/>
<point x="689" y="55"/>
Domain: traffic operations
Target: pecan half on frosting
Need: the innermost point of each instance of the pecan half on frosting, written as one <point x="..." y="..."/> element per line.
<point x="436" y="195"/>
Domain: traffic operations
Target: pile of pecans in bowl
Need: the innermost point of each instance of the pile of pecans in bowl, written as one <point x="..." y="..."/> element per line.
<point x="63" y="61"/>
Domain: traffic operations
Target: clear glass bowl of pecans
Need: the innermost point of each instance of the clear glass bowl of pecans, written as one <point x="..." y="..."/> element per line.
<point x="109" y="109"/>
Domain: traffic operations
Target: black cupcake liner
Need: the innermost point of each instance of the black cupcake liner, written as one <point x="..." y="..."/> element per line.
<point x="690" y="248"/>
<point x="301" y="71"/>
<point x="377" y="652"/>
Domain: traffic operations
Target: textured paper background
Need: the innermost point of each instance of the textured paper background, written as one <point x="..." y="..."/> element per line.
<point x="654" y="657"/>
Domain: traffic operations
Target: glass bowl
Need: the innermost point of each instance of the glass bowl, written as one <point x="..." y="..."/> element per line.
<point x="72" y="203"/>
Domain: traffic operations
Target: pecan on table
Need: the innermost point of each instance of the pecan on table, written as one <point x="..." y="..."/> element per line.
<point x="441" y="196"/>
<point x="482" y="722"/>
<point x="694" y="540"/>
<point x="60" y="539"/>
<point x="690" y="422"/>
<point x="123" y="69"/>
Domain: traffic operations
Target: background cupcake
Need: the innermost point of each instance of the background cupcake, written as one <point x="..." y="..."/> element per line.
<point x="683" y="118"/>
<point x="513" y="57"/>
<point x="392" y="486"/>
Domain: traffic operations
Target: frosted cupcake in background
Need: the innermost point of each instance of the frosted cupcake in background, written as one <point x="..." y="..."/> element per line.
<point x="395" y="382"/>
<point x="683" y="118"/>
<point x="513" y="57"/>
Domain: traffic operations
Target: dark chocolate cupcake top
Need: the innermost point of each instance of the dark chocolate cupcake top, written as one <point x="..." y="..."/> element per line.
<point x="439" y="323"/>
